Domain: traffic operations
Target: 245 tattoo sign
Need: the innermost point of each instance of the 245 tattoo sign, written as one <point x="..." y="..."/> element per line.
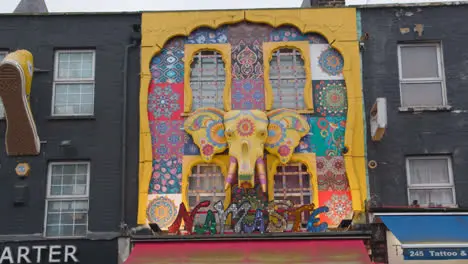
<point x="435" y="253"/>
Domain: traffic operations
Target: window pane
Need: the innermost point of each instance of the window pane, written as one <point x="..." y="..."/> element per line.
<point x="75" y="65"/>
<point x="66" y="218"/>
<point x="287" y="78"/>
<point x="292" y="189"/>
<point x="422" y="94"/>
<point x="74" y="99"/>
<point x="211" y="186"/>
<point x="429" y="171"/>
<point x="419" y="62"/>
<point x="433" y="197"/>
<point x="68" y="179"/>
<point x="207" y="80"/>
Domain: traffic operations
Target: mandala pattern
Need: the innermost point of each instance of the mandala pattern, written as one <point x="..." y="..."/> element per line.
<point x="276" y="134"/>
<point x="331" y="174"/>
<point x="247" y="61"/>
<point x="340" y="206"/>
<point x="161" y="211"/>
<point x="167" y="176"/>
<point x="190" y="148"/>
<point x="245" y="127"/>
<point x="208" y="36"/>
<point x="330" y="98"/>
<point x="216" y="134"/>
<point x="288" y="33"/>
<point x="168" y="65"/>
<point x="247" y="52"/>
<point x="248" y="94"/>
<point x="327" y="135"/>
<point x="167" y="138"/>
<point x="331" y="62"/>
<point x="165" y="101"/>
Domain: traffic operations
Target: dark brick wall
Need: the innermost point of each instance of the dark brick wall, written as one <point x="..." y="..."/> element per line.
<point x="415" y="133"/>
<point x="97" y="140"/>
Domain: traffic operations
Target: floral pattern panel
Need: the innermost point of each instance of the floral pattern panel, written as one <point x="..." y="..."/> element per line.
<point x="327" y="124"/>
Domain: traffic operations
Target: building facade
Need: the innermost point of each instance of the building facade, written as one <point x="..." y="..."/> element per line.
<point x="413" y="80"/>
<point x="62" y="187"/>
<point x="251" y="123"/>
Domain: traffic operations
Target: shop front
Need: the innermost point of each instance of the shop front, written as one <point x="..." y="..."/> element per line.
<point x="425" y="236"/>
<point x="347" y="249"/>
<point x="59" y="251"/>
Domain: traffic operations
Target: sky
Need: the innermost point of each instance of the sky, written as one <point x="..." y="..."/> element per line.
<point x="7" y="6"/>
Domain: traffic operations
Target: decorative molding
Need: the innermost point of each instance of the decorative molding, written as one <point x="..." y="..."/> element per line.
<point x="269" y="48"/>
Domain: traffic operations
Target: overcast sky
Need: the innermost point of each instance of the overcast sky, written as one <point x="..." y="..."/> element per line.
<point x="7" y="6"/>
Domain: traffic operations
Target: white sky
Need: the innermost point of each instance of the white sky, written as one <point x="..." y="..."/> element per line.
<point x="7" y="6"/>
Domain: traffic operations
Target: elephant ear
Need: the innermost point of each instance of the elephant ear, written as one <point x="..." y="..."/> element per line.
<point x="285" y="130"/>
<point x="206" y="127"/>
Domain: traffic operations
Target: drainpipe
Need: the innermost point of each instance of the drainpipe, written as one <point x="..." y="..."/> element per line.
<point x="123" y="224"/>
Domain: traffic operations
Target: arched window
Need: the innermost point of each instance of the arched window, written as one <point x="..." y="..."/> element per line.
<point x="292" y="182"/>
<point x="287" y="78"/>
<point x="288" y="81"/>
<point x="206" y="183"/>
<point x="207" y="80"/>
<point x="207" y="77"/>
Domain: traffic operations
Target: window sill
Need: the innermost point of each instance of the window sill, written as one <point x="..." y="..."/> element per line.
<point x="442" y="108"/>
<point x="83" y="117"/>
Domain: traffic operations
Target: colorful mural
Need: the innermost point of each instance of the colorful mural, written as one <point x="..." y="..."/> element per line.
<point x="253" y="148"/>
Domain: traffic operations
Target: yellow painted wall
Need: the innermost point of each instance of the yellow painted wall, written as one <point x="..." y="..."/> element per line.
<point x="337" y="25"/>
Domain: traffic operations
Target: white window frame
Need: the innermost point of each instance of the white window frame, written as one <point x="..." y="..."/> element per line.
<point x="49" y="197"/>
<point x="426" y="186"/>
<point x="2" y="108"/>
<point x="73" y="80"/>
<point x="441" y="73"/>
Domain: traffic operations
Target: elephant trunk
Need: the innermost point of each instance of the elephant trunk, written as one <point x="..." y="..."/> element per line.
<point x="260" y="164"/>
<point x="246" y="165"/>
<point x="231" y="171"/>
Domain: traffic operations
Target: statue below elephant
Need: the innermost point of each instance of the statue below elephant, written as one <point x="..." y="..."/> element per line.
<point x="246" y="133"/>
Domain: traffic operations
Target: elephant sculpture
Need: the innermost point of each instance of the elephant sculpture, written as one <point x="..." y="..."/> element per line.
<point x="246" y="134"/>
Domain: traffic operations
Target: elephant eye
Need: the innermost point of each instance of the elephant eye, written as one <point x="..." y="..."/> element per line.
<point x="262" y="133"/>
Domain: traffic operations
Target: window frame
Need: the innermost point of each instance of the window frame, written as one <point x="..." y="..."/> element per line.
<point x="441" y="73"/>
<point x="56" y="80"/>
<point x="189" y="161"/>
<point x="425" y="186"/>
<point x="190" y="52"/>
<point x="308" y="159"/>
<point x="2" y="116"/>
<point x="269" y="48"/>
<point x="206" y="193"/>
<point x="49" y="197"/>
<point x="292" y="192"/>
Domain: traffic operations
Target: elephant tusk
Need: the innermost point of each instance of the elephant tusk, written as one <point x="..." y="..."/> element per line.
<point x="261" y="173"/>
<point x="231" y="172"/>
